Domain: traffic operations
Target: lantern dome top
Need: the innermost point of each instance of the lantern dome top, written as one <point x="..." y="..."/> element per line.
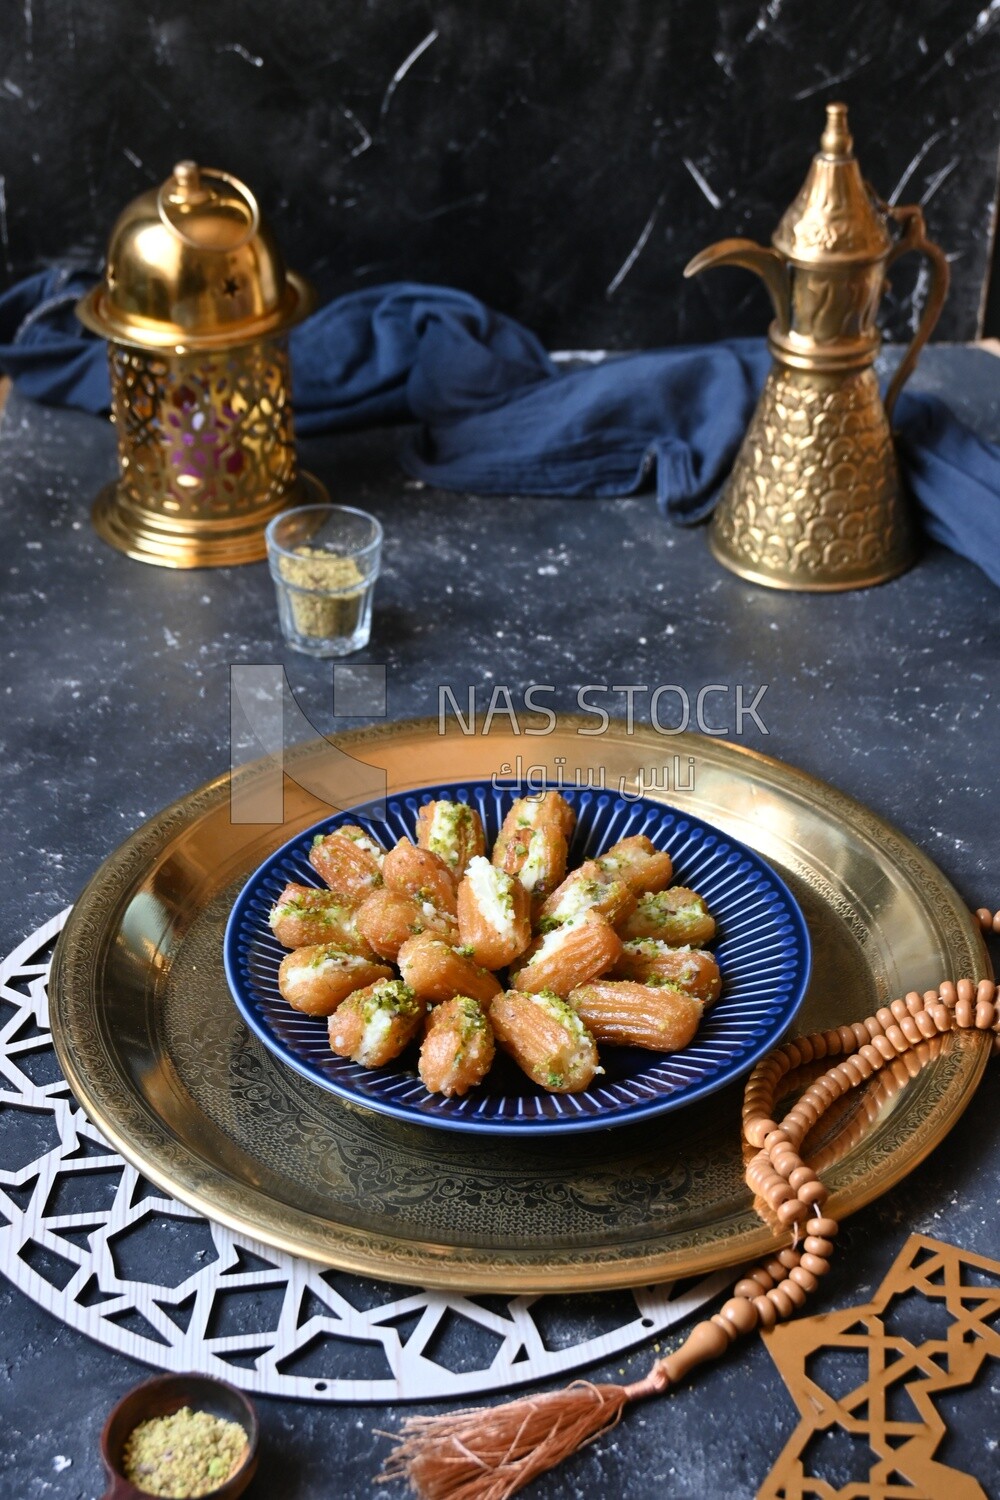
<point x="191" y="265"/>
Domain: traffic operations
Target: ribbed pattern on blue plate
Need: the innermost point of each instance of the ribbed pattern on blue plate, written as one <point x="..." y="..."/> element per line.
<point x="762" y="947"/>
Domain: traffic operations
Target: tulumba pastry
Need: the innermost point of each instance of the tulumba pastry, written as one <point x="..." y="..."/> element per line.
<point x="601" y="954"/>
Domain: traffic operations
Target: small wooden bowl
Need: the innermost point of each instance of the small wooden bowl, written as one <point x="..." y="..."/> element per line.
<point x="161" y="1397"/>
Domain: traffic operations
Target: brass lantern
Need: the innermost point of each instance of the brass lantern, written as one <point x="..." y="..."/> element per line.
<point x="196" y="304"/>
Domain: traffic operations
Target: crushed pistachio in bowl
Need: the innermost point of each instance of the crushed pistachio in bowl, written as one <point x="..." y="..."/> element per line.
<point x="184" y="1455"/>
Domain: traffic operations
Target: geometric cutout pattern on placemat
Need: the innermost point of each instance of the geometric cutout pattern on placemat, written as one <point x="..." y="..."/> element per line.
<point x="83" y="1234"/>
<point x="869" y="1383"/>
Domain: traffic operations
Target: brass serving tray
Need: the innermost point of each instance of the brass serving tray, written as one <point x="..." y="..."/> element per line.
<point x="155" y="1051"/>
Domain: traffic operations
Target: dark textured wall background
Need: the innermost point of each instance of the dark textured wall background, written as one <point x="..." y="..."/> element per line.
<point x="560" y="158"/>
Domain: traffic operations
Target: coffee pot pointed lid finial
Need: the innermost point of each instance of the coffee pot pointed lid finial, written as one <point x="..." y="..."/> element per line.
<point x="836" y="140"/>
<point x="834" y="218"/>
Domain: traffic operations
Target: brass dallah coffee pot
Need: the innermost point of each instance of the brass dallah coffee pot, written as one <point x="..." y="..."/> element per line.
<point x="814" y="500"/>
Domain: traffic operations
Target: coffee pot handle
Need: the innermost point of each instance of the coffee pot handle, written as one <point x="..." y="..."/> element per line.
<point x="910" y="218"/>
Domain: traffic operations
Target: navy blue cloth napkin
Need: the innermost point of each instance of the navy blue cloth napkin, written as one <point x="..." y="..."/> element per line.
<point x="495" y="415"/>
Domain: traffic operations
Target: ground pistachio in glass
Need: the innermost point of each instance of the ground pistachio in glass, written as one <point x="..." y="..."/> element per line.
<point x="324" y="560"/>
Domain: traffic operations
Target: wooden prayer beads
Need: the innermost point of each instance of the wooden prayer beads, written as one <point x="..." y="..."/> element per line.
<point x="789" y="1187"/>
<point x="489" y="1454"/>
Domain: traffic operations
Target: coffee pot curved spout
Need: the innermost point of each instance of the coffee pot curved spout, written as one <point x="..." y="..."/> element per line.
<point x="771" y="267"/>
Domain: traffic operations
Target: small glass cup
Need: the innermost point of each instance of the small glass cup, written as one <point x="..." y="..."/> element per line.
<point x="324" y="560"/>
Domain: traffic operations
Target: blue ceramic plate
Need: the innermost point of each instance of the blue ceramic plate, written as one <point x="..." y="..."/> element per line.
<point x="762" y="947"/>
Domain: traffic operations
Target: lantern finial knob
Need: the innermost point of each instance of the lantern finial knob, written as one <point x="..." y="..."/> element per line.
<point x="174" y="257"/>
<point x="187" y="185"/>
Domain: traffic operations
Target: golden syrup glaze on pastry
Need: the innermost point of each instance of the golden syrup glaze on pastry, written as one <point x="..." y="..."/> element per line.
<point x="608" y="942"/>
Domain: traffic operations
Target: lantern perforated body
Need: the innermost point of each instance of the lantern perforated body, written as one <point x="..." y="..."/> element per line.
<point x="196" y="304"/>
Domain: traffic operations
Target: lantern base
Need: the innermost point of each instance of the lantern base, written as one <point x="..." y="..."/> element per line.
<point x="169" y="543"/>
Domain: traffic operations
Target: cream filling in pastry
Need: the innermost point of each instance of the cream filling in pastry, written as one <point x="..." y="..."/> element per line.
<point x="492" y="890"/>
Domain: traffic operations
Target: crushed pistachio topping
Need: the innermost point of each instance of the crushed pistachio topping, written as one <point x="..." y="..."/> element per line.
<point x="329" y="954"/>
<point x="293" y="907"/>
<point x="553" y="937"/>
<point x="187" y="1454"/>
<point x="364" y="841"/>
<point x="648" y="947"/>
<point x="505" y="892"/>
<point x="555" y="1006"/>
<point x="301" y="906"/>
<point x="692" y="912"/>
<point x="390" y="997"/>
<point x="472" y="1017"/>
<point x="581" y="895"/>
<point x="675" y="901"/>
<point x="653" y="948"/>
<point x="449" y="820"/>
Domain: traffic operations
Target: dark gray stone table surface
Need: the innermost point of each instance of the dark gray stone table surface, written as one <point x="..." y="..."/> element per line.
<point x="116" y="697"/>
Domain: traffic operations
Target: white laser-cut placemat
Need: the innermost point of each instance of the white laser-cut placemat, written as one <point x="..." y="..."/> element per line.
<point x="86" y="1237"/>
